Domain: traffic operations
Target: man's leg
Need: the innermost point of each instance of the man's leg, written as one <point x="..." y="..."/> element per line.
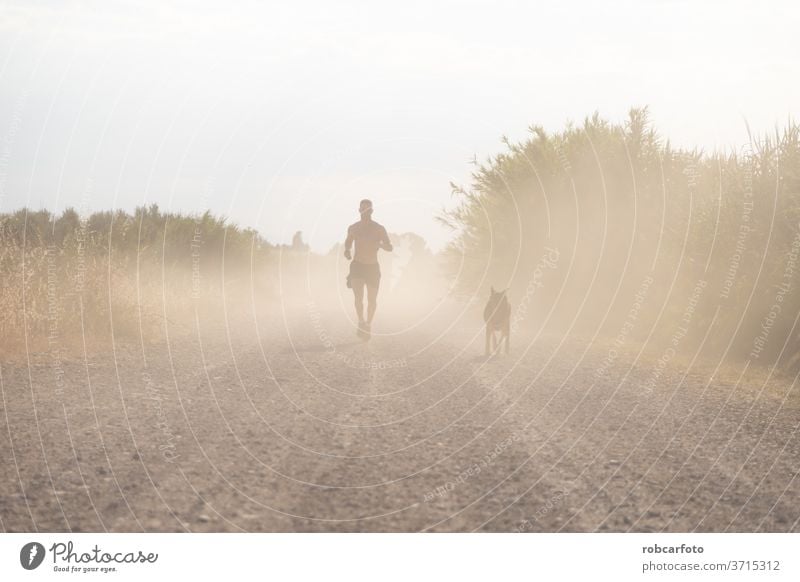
<point x="372" y="302"/>
<point x="358" y="292"/>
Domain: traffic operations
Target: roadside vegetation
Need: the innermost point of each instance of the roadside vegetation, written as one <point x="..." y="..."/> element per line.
<point x="651" y="241"/>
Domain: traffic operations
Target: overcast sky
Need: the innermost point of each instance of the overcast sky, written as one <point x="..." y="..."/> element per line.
<point x="282" y="116"/>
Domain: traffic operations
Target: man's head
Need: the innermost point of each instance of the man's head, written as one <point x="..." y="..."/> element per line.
<point x="365" y="208"/>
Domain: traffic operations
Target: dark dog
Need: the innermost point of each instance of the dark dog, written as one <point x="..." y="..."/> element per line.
<point x="497" y="316"/>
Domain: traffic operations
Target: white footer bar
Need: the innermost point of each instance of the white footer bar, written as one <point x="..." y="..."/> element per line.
<point x="400" y="557"/>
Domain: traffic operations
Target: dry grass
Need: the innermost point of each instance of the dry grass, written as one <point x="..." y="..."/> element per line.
<point x="67" y="277"/>
<point x="620" y="204"/>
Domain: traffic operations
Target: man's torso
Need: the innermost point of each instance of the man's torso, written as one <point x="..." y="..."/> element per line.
<point x="367" y="237"/>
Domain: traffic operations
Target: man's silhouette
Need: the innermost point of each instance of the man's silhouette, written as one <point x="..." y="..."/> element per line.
<point x="369" y="236"/>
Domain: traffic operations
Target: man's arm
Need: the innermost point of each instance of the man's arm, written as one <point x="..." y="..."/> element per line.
<point x="348" y="243"/>
<point x="385" y="243"/>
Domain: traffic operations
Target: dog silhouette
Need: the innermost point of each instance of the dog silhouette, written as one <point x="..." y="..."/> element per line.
<point x="497" y="317"/>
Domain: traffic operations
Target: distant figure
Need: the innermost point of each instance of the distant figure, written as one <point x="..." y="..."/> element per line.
<point x="369" y="236"/>
<point x="497" y="315"/>
<point x="297" y="242"/>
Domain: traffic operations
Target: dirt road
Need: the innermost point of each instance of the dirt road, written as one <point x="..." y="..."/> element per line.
<point x="302" y="427"/>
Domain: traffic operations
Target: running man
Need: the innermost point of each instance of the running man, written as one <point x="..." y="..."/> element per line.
<point x="369" y="236"/>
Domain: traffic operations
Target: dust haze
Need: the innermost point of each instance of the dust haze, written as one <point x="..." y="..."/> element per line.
<point x="175" y="372"/>
<point x="179" y="349"/>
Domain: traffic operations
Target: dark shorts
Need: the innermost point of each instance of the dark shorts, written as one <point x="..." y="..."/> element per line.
<point x="369" y="274"/>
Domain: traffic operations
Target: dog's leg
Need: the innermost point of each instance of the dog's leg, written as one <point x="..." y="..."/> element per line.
<point x="508" y="338"/>
<point x="486" y="351"/>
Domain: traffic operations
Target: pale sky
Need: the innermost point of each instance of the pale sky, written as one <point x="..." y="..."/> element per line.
<point x="282" y="116"/>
